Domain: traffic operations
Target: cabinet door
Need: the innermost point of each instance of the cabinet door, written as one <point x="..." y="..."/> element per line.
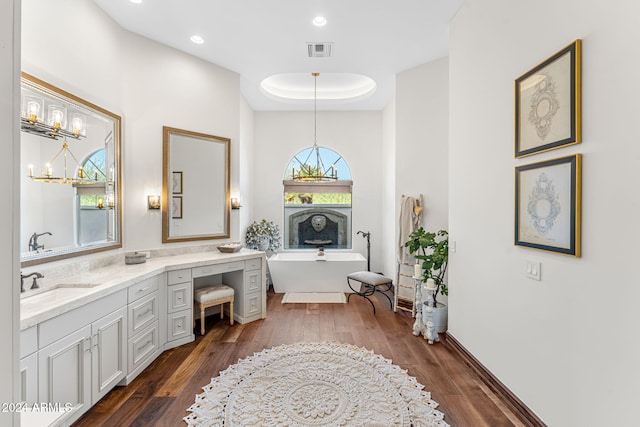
<point x="179" y="325"/>
<point x="64" y="372"/>
<point x="108" y="352"/>
<point x="29" y="379"/>
<point x="252" y="306"/>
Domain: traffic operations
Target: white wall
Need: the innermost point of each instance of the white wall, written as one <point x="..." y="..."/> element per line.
<point x="565" y="345"/>
<point x="241" y="218"/>
<point x="9" y="216"/>
<point x="148" y="84"/>
<point x="422" y="118"/>
<point x="357" y="136"/>
<point x="388" y="212"/>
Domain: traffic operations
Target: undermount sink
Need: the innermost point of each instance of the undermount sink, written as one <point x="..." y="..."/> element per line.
<point x="76" y="285"/>
<point x="53" y="295"/>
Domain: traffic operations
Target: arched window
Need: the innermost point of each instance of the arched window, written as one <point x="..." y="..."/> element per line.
<point x="317" y="200"/>
<point x="101" y="194"/>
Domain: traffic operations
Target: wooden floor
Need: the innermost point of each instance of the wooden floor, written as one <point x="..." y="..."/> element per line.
<point x="163" y="392"/>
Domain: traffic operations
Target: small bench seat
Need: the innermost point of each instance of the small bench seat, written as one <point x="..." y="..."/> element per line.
<point x="210" y="296"/>
<point x="372" y="282"/>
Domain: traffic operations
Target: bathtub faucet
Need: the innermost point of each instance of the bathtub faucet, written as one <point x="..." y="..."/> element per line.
<point x="367" y="236"/>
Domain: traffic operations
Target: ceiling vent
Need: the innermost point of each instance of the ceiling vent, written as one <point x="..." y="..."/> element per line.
<point x="319" y="50"/>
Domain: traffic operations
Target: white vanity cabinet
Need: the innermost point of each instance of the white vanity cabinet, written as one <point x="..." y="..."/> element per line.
<point x="179" y="308"/>
<point x="246" y="279"/>
<point x="251" y="300"/>
<point x="143" y="338"/>
<point x="82" y="353"/>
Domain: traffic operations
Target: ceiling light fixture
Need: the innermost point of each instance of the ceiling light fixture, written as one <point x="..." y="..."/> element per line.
<point x="319" y="21"/>
<point x="136" y="1"/>
<point x="314" y="170"/>
<point x="197" y="39"/>
<point x="80" y="177"/>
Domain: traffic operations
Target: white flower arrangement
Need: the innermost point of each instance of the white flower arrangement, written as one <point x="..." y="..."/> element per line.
<point x="261" y="234"/>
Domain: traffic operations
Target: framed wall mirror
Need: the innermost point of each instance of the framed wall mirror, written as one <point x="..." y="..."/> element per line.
<point x="195" y="186"/>
<point x="70" y="194"/>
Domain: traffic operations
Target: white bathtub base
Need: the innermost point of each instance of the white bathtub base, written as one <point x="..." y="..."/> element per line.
<point x="300" y="272"/>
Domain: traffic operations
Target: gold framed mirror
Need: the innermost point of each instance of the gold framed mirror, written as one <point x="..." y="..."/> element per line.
<point x="195" y="186"/>
<point x="70" y="184"/>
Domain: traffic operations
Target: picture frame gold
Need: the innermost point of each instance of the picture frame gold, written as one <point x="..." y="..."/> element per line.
<point x="176" y="207"/>
<point x="548" y="205"/>
<point x="176" y="185"/>
<point x="548" y="103"/>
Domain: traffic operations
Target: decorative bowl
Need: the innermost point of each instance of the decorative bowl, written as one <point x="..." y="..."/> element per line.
<point x="229" y="248"/>
<point x="135" y="258"/>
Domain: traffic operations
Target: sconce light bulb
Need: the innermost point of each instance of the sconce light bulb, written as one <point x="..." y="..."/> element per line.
<point x="76" y="125"/>
<point x="33" y="109"/>
<point x="153" y="202"/>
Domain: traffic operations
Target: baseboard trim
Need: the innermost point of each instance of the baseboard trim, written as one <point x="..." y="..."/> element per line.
<point x="521" y="410"/>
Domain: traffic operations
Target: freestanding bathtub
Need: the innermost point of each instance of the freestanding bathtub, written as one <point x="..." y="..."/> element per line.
<point x="300" y="272"/>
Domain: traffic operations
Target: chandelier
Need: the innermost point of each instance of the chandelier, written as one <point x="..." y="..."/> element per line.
<point x="313" y="168"/>
<point x="63" y="156"/>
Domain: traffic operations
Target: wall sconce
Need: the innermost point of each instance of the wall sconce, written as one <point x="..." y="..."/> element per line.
<point x="153" y="202"/>
<point x="235" y="202"/>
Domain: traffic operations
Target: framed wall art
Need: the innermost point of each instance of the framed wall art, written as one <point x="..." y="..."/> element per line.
<point x="547" y="205"/>
<point x="176" y="207"/>
<point x="176" y="183"/>
<point x="547" y="103"/>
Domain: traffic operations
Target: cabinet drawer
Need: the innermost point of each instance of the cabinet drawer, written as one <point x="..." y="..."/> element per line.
<point x="28" y="341"/>
<point x="252" y="281"/>
<point x="253" y="264"/>
<point x="179" y="325"/>
<point x="143" y="288"/>
<point x="209" y="270"/>
<point x="142" y="313"/>
<point x="252" y="305"/>
<point x="142" y="346"/>
<point x="179" y="276"/>
<point x="179" y="297"/>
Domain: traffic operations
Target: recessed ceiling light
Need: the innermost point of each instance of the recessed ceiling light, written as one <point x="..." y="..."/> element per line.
<point x="197" y="39"/>
<point x="319" y="21"/>
<point x="136" y="1"/>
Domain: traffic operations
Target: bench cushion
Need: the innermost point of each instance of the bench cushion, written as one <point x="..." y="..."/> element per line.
<point x="212" y="293"/>
<point x="369" y="277"/>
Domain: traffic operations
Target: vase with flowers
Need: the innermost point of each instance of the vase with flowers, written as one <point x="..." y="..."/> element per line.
<point x="263" y="235"/>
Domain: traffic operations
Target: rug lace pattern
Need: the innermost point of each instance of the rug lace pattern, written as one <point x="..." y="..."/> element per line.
<point x="314" y="384"/>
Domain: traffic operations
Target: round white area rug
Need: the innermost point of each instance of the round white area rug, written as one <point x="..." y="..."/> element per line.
<point x="314" y="384"/>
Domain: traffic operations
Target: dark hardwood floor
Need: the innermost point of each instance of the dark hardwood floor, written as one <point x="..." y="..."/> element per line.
<point x="163" y="392"/>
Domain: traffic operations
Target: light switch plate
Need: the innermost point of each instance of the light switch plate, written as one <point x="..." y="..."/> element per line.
<point x="533" y="269"/>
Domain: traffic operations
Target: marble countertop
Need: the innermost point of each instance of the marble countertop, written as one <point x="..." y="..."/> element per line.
<point x="74" y="291"/>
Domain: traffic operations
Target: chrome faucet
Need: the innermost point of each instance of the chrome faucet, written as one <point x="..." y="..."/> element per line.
<point x="33" y="241"/>
<point x="34" y="285"/>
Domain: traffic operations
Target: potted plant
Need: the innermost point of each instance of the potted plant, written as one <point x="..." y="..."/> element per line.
<point x="433" y="250"/>
<point x="263" y="235"/>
